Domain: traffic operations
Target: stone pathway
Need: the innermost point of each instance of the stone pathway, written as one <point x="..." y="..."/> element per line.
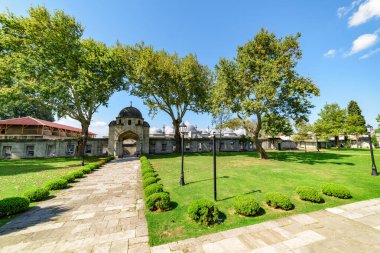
<point x="104" y="212"/>
<point x="350" y="228"/>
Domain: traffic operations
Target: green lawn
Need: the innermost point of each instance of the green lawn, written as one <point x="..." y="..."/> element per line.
<point x="245" y="173"/>
<point x="18" y="176"/>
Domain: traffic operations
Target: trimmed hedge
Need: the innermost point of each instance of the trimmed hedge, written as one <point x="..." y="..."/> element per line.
<point x="246" y="205"/>
<point x="203" y="211"/>
<point x="86" y="169"/>
<point x="77" y="174"/>
<point x="336" y="190"/>
<point x="56" y="184"/>
<point x="37" y="194"/>
<point x="309" y="194"/>
<point x="153" y="188"/>
<point x="149" y="181"/>
<point x="158" y="201"/>
<point x="278" y="200"/>
<point x="13" y="205"/>
<point x="70" y="178"/>
<point x="149" y="174"/>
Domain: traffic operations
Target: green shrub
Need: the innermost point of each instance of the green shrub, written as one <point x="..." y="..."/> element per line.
<point x="69" y="177"/>
<point x="86" y="169"/>
<point x="246" y="205"/>
<point x="336" y="190"/>
<point x="203" y="211"/>
<point x="149" y="181"/>
<point x="153" y="188"/>
<point x="149" y="174"/>
<point x="9" y="206"/>
<point x="278" y="200"/>
<point x="309" y="194"/>
<point x="158" y="201"/>
<point x="37" y="194"/>
<point x="93" y="166"/>
<point x="77" y="173"/>
<point x="56" y="184"/>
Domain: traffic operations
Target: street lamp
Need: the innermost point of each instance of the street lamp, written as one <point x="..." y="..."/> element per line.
<point x="214" y="162"/>
<point x="84" y="147"/>
<point x="182" y="130"/>
<point x="369" y="130"/>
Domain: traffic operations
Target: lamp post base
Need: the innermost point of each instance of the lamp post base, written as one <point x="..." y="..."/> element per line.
<point x="374" y="172"/>
<point x="181" y="181"/>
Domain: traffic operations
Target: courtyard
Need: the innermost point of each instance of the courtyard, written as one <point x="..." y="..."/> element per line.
<point x="246" y="174"/>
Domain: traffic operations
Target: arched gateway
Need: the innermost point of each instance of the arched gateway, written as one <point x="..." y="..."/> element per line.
<point x="128" y="134"/>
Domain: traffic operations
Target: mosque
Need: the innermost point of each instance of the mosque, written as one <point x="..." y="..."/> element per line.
<point x="129" y="135"/>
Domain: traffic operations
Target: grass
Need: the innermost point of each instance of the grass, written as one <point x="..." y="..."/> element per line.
<point x="245" y="173"/>
<point x="18" y="176"/>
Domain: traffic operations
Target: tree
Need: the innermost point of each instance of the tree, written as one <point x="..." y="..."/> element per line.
<point x="378" y="120"/>
<point x="303" y="132"/>
<point x="54" y="64"/>
<point x="355" y="122"/>
<point x="262" y="80"/>
<point x="332" y="122"/>
<point x="168" y="82"/>
<point x="274" y="125"/>
<point x="23" y="106"/>
<point x="220" y="116"/>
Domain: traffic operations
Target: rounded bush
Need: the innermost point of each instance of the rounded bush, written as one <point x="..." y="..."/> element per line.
<point x="309" y="194"/>
<point x="56" y="184"/>
<point x="9" y="206"/>
<point x="77" y="173"/>
<point x="246" y="205"/>
<point x="86" y="169"/>
<point x="158" y="201"/>
<point x="203" y="211"/>
<point x="278" y="200"/>
<point x="149" y="174"/>
<point x="93" y="166"/>
<point x="146" y="170"/>
<point x="37" y="194"/>
<point x="69" y="178"/>
<point x="153" y="188"/>
<point x="149" y="181"/>
<point x="336" y="190"/>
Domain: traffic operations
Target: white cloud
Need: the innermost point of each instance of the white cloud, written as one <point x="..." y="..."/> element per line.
<point x="330" y="54"/>
<point x="99" y="124"/>
<point x="366" y="11"/>
<point x="363" y="42"/>
<point x="377" y="50"/>
<point x="342" y="11"/>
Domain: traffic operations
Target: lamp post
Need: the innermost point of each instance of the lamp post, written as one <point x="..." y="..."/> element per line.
<point x="84" y="147"/>
<point x="374" y="170"/>
<point x="182" y="130"/>
<point x="214" y="162"/>
<point x="316" y="138"/>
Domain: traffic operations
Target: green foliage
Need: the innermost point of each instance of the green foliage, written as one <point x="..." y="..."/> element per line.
<point x="149" y="174"/>
<point x="149" y="181"/>
<point x="309" y="194"/>
<point x="278" y="200"/>
<point x="151" y="189"/>
<point x="336" y="190"/>
<point x="86" y="169"/>
<point x="37" y="194"/>
<point x="332" y="122"/>
<point x="9" y="206"/>
<point x="56" y="184"/>
<point x="246" y="205"/>
<point x="262" y="81"/>
<point x="374" y="140"/>
<point x="274" y="124"/>
<point x="77" y="174"/>
<point x="355" y="122"/>
<point x="203" y="211"/>
<point x="70" y="178"/>
<point x="303" y="131"/>
<point x="158" y="201"/>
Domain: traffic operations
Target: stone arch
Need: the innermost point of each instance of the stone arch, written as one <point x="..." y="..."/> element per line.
<point x="129" y="144"/>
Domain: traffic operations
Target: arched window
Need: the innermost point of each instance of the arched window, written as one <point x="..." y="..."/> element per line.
<point x="129" y="122"/>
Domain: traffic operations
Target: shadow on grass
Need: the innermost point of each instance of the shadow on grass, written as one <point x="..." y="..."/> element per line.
<point x="194" y="182"/>
<point x="172" y="205"/>
<point x="246" y="193"/>
<point x="32" y="217"/>
<point x="311" y="158"/>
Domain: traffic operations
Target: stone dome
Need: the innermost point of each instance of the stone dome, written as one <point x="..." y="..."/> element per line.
<point x="130" y="112"/>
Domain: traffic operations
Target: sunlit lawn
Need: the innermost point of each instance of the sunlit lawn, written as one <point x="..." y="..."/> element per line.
<point x="244" y="173"/>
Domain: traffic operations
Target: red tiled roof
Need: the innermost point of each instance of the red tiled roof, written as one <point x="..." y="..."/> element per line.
<point x="29" y="121"/>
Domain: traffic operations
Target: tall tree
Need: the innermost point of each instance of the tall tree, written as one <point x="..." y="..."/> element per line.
<point x="221" y="116"/>
<point x="378" y="120"/>
<point x="72" y="75"/>
<point x="355" y="122"/>
<point x="262" y="80"/>
<point x="331" y="122"/>
<point x="273" y="125"/>
<point x="303" y="131"/>
<point x="24" y="106"/>
<point x="168" y="82"/>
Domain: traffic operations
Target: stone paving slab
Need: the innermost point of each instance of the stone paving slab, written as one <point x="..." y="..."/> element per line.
<point x="100" y="213"/>
<point x="349" y="228"/>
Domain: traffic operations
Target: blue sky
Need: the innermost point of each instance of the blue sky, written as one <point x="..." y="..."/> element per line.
<point x="340" y="41"/>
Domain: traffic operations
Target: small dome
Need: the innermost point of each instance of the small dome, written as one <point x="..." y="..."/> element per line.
<point x="146" y="124"/>
<point x="112" y="123"/>
<point x="155" y="131"/>
<point x="130" y="112"/>
<point x="169" y="130"/>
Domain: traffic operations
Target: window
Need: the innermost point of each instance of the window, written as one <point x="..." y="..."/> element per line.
<point x="30" y="150"/>
<point x="138" y="123"/>
<point x="70" y="149"/>
<point x="88" y="149"/>
<point x="7" y="151"/>
<point x="51" y="150"/>
<point x="200" y="146"/>
<point x="187" y="146"/>
<point x="164" y="145"/>
<point x="129" y="122"/>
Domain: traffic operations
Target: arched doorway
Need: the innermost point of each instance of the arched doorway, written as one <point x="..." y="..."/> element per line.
<point x="130" y="144"/>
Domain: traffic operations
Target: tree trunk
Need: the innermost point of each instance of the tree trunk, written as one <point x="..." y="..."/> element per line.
<point x="259" y="148"/>
<point x="336" y="138"/>
<point x="80" y="152"/>
<point x="177" y="136"/>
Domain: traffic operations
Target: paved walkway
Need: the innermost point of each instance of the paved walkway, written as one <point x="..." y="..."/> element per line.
<point x="350" y="228"/>
<point x="104" y="212"/>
